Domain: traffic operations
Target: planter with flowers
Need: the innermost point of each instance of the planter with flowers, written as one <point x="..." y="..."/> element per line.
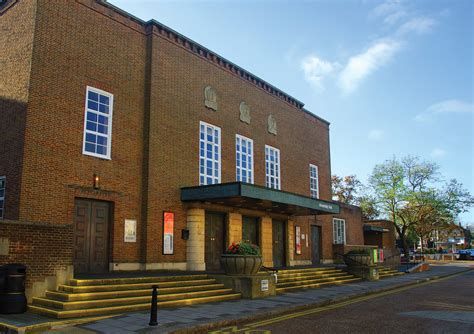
<point x="242" y="259"/>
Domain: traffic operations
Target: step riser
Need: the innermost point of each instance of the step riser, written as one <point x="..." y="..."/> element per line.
<point x="313" y="286"/>
<point x="109" y="288"/>
<point x="315" y="281"/>
<point x="123" y="301"/>
<point x="128" y="308"/>
<point x="116" y="281"/>
<point x="302" y="278"/>
<point x="310" y="274"/>
<point x="70" y="297"/>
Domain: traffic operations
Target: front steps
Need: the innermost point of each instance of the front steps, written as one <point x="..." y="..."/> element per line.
<point x="385" y="272"/>
<point x="96" y="297"/>
<point x="293" y="279"/>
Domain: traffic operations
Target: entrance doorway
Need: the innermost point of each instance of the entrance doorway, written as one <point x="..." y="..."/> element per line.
<point x="316" y="244"/>
<point x="250" y="230"/>
<point x="278" y="231"/>
<point x="91" y="236"/>
<point x="214" y="240"/>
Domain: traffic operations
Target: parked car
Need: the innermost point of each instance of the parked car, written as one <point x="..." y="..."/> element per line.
<point x="466" y="254"/>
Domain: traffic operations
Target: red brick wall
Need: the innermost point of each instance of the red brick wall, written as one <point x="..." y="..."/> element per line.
<point x="43" y="248"/>
<point x="82" y="43"/>
<point x="16" y="43"/>
<point x="354" y="224"/>
<point x="77" y="47"/>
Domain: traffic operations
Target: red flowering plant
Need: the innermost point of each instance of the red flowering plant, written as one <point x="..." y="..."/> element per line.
<point x="243" y="248"/>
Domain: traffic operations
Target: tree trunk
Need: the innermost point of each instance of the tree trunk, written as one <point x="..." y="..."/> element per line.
<point x="406" y="248"/>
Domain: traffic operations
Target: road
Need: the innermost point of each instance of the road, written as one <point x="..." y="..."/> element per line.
<point x="443" y="306"/>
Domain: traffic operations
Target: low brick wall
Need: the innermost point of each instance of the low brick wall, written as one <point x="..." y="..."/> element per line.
<point x="46" y="250"/>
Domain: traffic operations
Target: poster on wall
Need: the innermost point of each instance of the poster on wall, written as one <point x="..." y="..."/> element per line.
<point x="168" y="233"/>
<point x="298" y="239"/>
<point x="130" y="230"/>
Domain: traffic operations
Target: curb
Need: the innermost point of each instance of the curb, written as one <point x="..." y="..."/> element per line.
<point x="204" y="328"/>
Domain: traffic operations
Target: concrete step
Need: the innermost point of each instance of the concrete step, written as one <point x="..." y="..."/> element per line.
<point x="104" y="303"/>
<point x="310" y="276"/>
<point x="133" y="286"/>
<point x="317" y="285"/>
<point x="302" y="270"/>
<point x="312" y="281"/>
<point x="65" y="296"/>
<point x="132" y="280"/>
<point x="308" y="273"/>
<point x="64" y="314"/>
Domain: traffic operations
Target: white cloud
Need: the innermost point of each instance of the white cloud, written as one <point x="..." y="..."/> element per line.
<point x="438" y="153"/>
<point x="445" y="107"/>
<point x="376" y="134"/>
<point x="451" y="106"/>
<point x="392" y="11"/>
<point x="316" y="69"/>
<point x="362" y="65"/>
<point x="418" y="25"/>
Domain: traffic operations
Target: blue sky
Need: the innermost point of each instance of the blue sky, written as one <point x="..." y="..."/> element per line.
<point x="392" y="77"/>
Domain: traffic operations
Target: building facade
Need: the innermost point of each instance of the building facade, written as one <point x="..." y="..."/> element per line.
<point x="139" y="149"/>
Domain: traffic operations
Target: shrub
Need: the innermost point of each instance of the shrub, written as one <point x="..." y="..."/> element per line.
<point x="243" y="248"/>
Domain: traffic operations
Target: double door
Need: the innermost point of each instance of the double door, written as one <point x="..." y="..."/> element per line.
<point x="91" y="235"/>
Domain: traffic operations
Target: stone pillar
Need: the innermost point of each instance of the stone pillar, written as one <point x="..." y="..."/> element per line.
<point x="266" y="241"/>
<point x="234" y="228"/>
<point x="290" y="243"/>
<point x="195" y="244"/>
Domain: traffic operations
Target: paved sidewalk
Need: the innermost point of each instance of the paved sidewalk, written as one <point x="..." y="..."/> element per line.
<point x="207" y="316"/>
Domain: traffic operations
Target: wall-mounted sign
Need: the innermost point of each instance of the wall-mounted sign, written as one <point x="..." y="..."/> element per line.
<point x="264" y="285"/>
<point x="130" y="230"/>
<point x="298" y="239"/>
<point x="168" y="232"/>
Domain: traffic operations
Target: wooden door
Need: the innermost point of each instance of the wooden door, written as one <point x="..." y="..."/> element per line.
<point x="316" y="245"/>
<point x="91" y="220"/>
<point x="214" y="240"/>
<point x="250" y="230"/>
<point x="278" y="231"/>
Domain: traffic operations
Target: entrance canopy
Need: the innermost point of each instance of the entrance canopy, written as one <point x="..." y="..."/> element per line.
<point x="249" y="196"/>
<point x="374" y="229"/>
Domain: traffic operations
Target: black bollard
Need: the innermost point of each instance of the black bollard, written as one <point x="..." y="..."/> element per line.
<point x="154" y="307"/>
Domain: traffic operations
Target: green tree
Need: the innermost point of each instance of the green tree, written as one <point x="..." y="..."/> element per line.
<point x="408" y="192"/>
<point x="345" y="189"/>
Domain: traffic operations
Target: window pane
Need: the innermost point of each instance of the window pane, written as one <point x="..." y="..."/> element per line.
<point x="93" y="96"/>
<point x="93" y="105"/>
<point x="104" y="99"/>
<point x="90" y="147"/>
<point x="91" y="126"/>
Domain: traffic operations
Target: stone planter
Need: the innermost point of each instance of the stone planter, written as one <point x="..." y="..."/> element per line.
<point x="358" y="259"/>
<point x="241" y="264"/>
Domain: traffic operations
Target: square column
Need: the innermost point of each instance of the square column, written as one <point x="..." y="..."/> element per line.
<point x="195" y="250"/>
<point x="290" y="243"/>
<point x="266" y="241"/>
<point x="234" y="228"/>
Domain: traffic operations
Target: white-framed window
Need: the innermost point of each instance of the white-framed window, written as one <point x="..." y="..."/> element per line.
<point x="98" y="123"/>
<point x="244" y="159"/>
<point x="3" y="184"/>
<point x="209" y="154"/>
<point x="272" y="167"/>
<point x="313" y="181"/>
<point x="339" y="231"/>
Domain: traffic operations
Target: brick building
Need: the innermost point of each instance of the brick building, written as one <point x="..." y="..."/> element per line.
<point x="127" y="146"/>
